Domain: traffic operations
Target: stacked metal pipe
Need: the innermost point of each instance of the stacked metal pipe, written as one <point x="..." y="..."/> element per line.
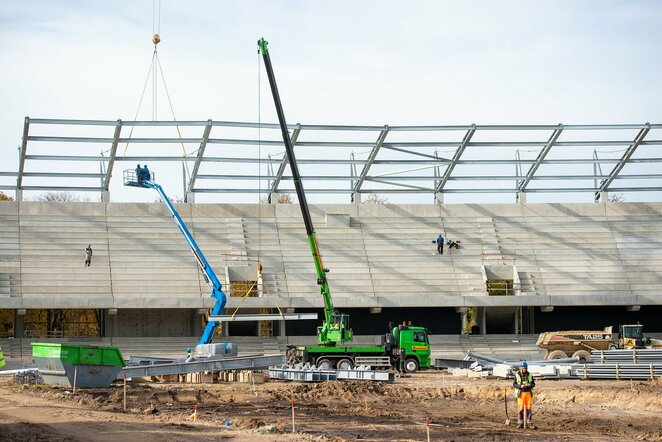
<point x="623" y="356"/>
<point x="628" y="370"/>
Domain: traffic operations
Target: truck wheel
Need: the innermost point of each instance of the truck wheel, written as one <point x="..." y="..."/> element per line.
<point x="411" y="365"/>
<point x="557" y="354"/>
<point x="583" y="355"/>
<point x="345" y="364"/>
<point x="325" y="364"/>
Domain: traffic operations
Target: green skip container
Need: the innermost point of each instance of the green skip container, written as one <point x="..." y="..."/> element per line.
<point x="88" y="366"/>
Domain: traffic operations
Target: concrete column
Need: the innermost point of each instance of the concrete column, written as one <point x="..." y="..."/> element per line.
<point x="482" y="319"/>
<point x="111" y="323"/>
<point x="190" y="197"/>
<point x="19" y="195"/>
<point x="105" y="196"/>
<point x="356" y="197"/>
<point x="604" y="196"/>
<point x="521" y="197"/>
<point x="197" y="321"/>
<point x="19" y="324"/>
<point x="438" y="198"/>
<point x="281" y="328"/>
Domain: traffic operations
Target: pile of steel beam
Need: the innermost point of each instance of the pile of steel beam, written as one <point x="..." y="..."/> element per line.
<point x="645" y="355"/>
<point x="308" y="373"/>
<point x="628" y="370"/>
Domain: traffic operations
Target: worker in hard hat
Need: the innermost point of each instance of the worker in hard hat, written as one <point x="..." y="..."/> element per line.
<point x="189" y="356"/>
<point x="524" y="384"/>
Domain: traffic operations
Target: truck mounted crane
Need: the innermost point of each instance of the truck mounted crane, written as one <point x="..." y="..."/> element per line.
<point x="405" y="346"/>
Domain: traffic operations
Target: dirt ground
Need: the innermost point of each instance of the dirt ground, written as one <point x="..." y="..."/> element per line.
<point x="458" y="409"/>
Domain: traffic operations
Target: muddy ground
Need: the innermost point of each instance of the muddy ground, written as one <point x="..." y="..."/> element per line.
<point x="458" y="409"/>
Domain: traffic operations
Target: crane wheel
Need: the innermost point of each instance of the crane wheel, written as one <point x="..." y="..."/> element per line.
<point x="411" y="365"/>
<point x="324" y="364"/>
<point x="345" y="364"/>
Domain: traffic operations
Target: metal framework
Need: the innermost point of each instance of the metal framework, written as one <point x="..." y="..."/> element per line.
<point x="223" y="157"/>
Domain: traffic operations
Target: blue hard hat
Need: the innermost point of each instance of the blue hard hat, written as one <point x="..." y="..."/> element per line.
<point x="188" y="349"/>
<point x="524" y="364"/>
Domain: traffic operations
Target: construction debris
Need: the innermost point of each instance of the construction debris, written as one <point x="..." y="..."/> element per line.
<point x="28" y="377"/>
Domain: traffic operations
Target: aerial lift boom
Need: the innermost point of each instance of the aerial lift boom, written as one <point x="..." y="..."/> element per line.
<point x="335" y="328"/>
<point x="131" y="178"/>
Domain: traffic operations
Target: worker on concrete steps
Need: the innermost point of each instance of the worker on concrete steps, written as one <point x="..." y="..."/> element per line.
<point x="440" y="244"/>
<point x="524" y="384"/>
<point x="88" y="255"/>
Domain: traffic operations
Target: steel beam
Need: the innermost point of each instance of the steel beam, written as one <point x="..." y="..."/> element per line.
<point x="283" y="164"/>
<point x="113" y="154"/>
<point x="264" y="317"/>
<point x="24" y="147"/>
<point x="370" y="161"/>
<point x="456" y="158"/>
<point x="541" y="157"/>
<point x="542" y="127"/>
<point x="623" y="161"/>
<point x="201" y="153"/>
<point x="205" y="364"/>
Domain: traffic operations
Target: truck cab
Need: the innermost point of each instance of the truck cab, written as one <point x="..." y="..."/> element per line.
<point x="413" y="346"/>
<point x="631" y="336"/>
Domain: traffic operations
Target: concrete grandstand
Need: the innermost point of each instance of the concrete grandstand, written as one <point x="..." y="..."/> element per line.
<point x="570" y="265"/>
<point x="521" y="269"/>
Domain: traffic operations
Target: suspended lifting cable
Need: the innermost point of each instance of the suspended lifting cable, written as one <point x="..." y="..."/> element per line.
<point x="152" y="71"/>
<point x="260" y="201"/>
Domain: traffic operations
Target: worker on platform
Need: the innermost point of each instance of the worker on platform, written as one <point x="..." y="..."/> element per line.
<point x="139" y="173"/>
<point x="146" y="174"/>
<point x="524" y="384"/>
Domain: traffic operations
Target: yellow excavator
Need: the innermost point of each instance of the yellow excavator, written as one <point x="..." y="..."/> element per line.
<point x="632" y="336"/>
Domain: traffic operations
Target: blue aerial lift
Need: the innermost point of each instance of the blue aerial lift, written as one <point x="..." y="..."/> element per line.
<point x="141" y="177"/>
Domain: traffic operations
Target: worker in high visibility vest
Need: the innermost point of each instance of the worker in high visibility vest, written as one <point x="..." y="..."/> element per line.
<point x="524" y="384"/>
<point x="2" y="359"/>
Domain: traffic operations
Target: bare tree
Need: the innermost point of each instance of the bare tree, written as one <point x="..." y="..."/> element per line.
<point x="5" y="197"/>
<point x="61" y="196"/>
<point x="616" y="198"/>
<point x="373" y="198"/>
<point x="281" y="198"/>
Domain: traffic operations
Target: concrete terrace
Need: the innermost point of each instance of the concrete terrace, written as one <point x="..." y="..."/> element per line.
<point x="379" y="255"/>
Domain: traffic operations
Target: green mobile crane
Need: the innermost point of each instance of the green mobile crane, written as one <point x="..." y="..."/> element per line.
<point x="404" y="346"/>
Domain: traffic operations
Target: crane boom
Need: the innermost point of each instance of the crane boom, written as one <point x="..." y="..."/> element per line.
<point x="336" y="326"/>
<point x="216" y="288"/>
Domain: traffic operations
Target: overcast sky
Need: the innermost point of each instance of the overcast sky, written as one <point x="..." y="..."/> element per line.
<point x="337" y="62"/>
